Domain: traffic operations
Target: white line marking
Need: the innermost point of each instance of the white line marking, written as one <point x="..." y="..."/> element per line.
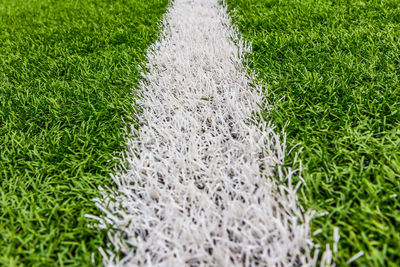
<point x="199" y="185"/>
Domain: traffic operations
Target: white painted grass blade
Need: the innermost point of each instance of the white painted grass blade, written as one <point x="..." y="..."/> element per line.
<point x="355" y="257"/>
<point x="200" y="188"/>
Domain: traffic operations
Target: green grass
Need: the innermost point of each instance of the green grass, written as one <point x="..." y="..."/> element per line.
<point x="337" y="63"/>
<point x="67" y="68"/>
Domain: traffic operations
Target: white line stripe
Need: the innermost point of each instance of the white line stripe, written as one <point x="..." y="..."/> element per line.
<point x="199" y="189"/>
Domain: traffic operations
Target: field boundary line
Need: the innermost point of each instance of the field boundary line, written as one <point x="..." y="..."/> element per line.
<point x="199" y="181"/>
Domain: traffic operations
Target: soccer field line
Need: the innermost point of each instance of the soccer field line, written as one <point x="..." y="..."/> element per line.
<point x="203" y="181"/>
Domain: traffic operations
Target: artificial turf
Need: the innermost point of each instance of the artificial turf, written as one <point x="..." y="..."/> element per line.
<point x="337" y="65"/>
<point x="67" y="69"/>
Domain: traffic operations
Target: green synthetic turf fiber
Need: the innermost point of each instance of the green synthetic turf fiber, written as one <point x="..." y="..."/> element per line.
<point x="67" y="69"/>
<point x="337" y="65"/>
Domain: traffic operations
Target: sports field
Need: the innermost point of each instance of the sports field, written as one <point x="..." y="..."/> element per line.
<point x="69" y="77"/>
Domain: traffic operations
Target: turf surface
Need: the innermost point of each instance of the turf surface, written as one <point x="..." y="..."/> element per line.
<point x="66" y="72"/>
<point x="337" y="63"/>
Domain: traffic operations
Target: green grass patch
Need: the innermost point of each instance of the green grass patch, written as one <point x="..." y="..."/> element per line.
<point x="67" y="69"/>
<point x="337" y="65"/>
